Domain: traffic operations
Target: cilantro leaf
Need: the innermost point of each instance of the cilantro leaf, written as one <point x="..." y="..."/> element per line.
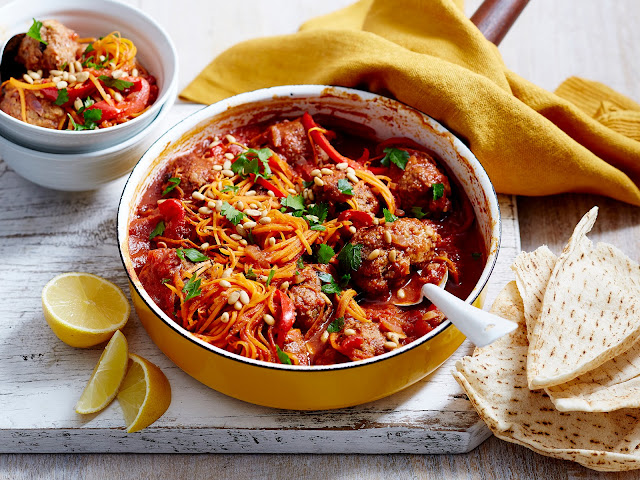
<point x="331" y="285"/>
<point x="319" y="210"/>
<point x="233" y="215"/>
<point x="251" y="160"/>
<point x="345" y="187"/>
<point x="396" y="156"/>
<point x="336" y="325"/>
<point x="294" y="202"/>
<point x="308" y="184"/>
<point x="88" y="49"/>
<point x="388" y="216"/>
<point x="438" y="190"/>
<point x="91" y="119"/>
<point x="159" y="230"/>
<point x="272" y="272"/>
<point x="325" y="253"/>
<point x="34" y="31"/>
<point x="319" y="228"/>
<point x="417" y="212"/>
<point x="174" y="181"/>
<point x="283" y="357"/>
<point x="230" y="188"/>
<point x="192" y="254"/>
<point x="300" y="263"/>
<point x="250" y="275"/>
<point x="350" y="257"/>
<point x="192" y="288"/>
<point x="116" y="83"/>
<point x="345" y="279"/>
<point x="63" y="97"/>
<point x="165" y="280"/>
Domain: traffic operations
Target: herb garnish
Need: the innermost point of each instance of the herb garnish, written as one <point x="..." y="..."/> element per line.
<point x="250" y="275"/>
<point x="388" y="216"/>
<point x="272" y="272"/>
<point x="63" y="97"/>
<point x="165" y="280"/>
<point x="396" y="156"/>
<point x="91" y="118"/>
<point x="192" y="254"/>
<point x="34" y="31"/>
<point x="88" y="49"/>
<point x="336" y="325"/>
<point x="438" y="190"/>
<point x="331" y="285"/>
<point x="308" y="184"/>
<point x="294" y="202"/>
<point x="233" y="215"/>
<point x="417" y="212"/>
<point x="350" y="257"/>
<point x="345" y="187"/>
<point x="192" y="288"/>
<point x="159" y="230"/>
<point x="283" y="357"/>
<point x="230" y="188"/>
<point x="174" y="182"/>
<point x="116" y="83"/>
<point x="325" y="253"/>
<point x="252" y="161"/>
<point x="300" y="263"/>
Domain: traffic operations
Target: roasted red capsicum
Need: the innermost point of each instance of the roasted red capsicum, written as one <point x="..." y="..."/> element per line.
<point x="321" y="140"/>
<point x="174" y="216"/>
<point x="81" y="91"/>
<point x="268" y="185"/>
<point x="134" y="102"/>
<point x="285" y="316"/>
<point x="356" y="216"/>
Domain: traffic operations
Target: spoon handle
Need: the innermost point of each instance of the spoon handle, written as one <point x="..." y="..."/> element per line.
<point x="481" y="327"/>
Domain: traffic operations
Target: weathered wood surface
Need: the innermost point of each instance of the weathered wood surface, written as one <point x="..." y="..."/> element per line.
<point x="551" y="41"/>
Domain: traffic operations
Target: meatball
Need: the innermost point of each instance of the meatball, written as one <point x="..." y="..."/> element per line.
<point x="62" y="47"/>
<point x="195" y="171"/>
<point x="40" y="112"/>
<point x="307" y="298"/>
<point x="162" y="263"/>
<point x="289" y="140"/>
<point x="367" y="341"/>
<point x="331" y="194"/>
<point x="415" y="187"/>
<point x="412" y="245"/>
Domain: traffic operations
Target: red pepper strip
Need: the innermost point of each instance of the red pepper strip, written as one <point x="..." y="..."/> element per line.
<point x="356" y="216"/>
<point x="174" y="215"/>
<point x="323" y="143"/>
<point x="268" y="185"/>
<point x="134" y="102"/>
<point x="77" y="92"/>
<point x="379" y="170"/>
<point x="286" y="315"/>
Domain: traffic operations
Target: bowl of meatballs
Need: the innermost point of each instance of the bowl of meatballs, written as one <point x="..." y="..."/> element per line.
<point x="82" y="85"/>
<point x="276" y="244"/>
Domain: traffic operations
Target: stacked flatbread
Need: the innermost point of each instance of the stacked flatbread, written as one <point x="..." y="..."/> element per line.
<point x="566" y="383"/>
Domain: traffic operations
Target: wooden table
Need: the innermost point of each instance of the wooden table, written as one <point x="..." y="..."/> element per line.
<point x="551" y="41"/>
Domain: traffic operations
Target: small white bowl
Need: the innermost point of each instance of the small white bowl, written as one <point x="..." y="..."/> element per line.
<point x="76" y="172"/>
<point x="97" y="17"/>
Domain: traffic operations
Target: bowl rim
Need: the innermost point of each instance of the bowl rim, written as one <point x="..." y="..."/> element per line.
<point x="302" y="91"/>
<point x="160" y="101"/>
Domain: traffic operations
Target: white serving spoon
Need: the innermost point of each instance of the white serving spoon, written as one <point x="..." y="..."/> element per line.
<point x="481" y="327"/>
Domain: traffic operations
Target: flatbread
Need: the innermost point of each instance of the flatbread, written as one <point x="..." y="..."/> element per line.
<point x="495" y="381"/>
<point x="590" y="314"/>
<point x="613" y="385"/>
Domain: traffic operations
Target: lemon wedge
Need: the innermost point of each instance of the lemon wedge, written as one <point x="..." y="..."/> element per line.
<point x="83" y="309"/>
<point x="145" y="394"/>
<point x="106" y="377"/>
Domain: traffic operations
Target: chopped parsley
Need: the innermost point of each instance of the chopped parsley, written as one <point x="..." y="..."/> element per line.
<point x="438" y="190"/>
<point x="165" y="280"/>
<point x="233" y="215"/>
<point x="316" y="215"/>
<point x="173" y="183"/>
<point x="350" y="257"/>
<point x="388" y="216"/>
<point x="345" y="187"/>
<point x="417" y="212"/>
<point x="320" y="228"/>
<point x="159" y="230"/>
<point x="346" y="278"/>
<point x="116" y="83"/>
<point x="294" y="202"/>
<point x="336" y="325"/>
<point x="396" y="156"/>
<point x="272" y="272"/>
<point x="325" y="253"/>
<point x="250" y="275"/>
<point x="331" y="285"/>
<point x="300" y="263"/>
<point x="230" y="188"/>
<point x="308" y="184"/>
<point x="91" y="118"/>
<point x="192" y="254"/>
<point x="34" y="31"/>
<point x="63" y="97"/>
<point x="253" y="161"/>
<point x="89" y="49"/>
<point x="192" y="288"/>
<point x="283" y="357"/>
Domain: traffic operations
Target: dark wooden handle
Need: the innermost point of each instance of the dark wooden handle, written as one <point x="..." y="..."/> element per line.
<point x="495" y="17"/>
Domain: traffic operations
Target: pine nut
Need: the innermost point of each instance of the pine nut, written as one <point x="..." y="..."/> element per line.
<point x="225" y="283"/>
<point x="374" y="254"/>
<point x="401" y="294"/>
<point x="134" y="72"/>
<point x="342" y="166"/>
<point x="244" y="297"/>
<point x="387" y="236"/>
<point x="244" y="243"/>
<point x="265" y="220"/>
<point x="117" y="74"/>
<point x="252" y="212"/>
<point x="350" y="170"/>
<point x="352" y="230"/>
<point x="316" y="172"/>
<point x="205" y="211"/>
<point x="324" y="337"/>
<point x="229" y="156"/>
<point x="228" y="173"/>
<point x="318" y="181"/>
<point x="77" y="104"/>
<point x="238" y="305"/>
<point x="292" y="191"/>
<point x="27" y="79"/>
<point x="233" y="297"/>
<point x="235" y="236"/>
<point x="285" y="285"/>
<point x="118" y="96"/>
<point x="211" y="204"/>
<point x="349" y="332"/>
<point x="224" y="318"/>
<point x="240" y="229"/>
<point x="253" y="205"/>
<point x="393" y="255"/>
<point x="230" y="138"/>
<point x="240" y="205"/>
<point x="218" y="205"/>
<point x="376" y="221"/>
<point x="65" y="76"/>
<point x="352" y="177"/>
<point x="311" y="196"/>
<point x="61" y="84"/>
<point x="82" y="77"/>
<point x="390" y="345"/>
<point x="72" y="67"/>
<point x="56" y="79"/>
<point x="250" y="193"/>
<point x="249" y="224"/>
<point x="227" y="273"/>
<point x="217" y="168"/>
<point x="56" y="73"/>
<point x="34" y="75"/>
<point x="226" y="165"/>
<point x="326" y="171"/>
<point x="197" y="196"/>
<point x="204" y="246"/>
<point x="271" y="194"/>
<point x="272" y="241"/>
<point x="78" y="66"/>
<point x="102" y="58"/>
<point x="268" y="319"/>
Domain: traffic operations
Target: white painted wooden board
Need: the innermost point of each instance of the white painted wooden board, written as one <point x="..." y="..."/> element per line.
<point x="44" y="233"/>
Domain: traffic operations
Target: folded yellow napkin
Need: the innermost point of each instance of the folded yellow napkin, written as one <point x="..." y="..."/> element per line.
<point x="427" y="54"/>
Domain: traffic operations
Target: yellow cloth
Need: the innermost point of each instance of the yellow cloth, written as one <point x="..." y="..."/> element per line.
<point x="427" y="54"/>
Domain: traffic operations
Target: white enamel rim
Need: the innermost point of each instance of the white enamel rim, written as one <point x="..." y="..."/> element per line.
<point x="140" y="173"/>
<point x="60" y="141"/>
